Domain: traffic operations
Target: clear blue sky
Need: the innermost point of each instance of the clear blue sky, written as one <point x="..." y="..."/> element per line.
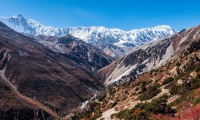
<point x="123" y="14"/>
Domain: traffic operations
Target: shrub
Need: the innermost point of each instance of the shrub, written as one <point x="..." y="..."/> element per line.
<point x="144" y="115"/>
<point x="175" y="89"/>
<point x="113" y="115"/>
<point x="137" y="88"/>
<point x="187" y="86"/>
<point x="167" y="80"/>
<point x="151" y="92"/>
<point x="133" y="114"/>
<point x="124" y="114"/>
<point x="170" y="85"/>
<point x="194" y="83"/>
<point x="157" y="106"/>
<point x="113" y="91"/>
<point x="192" y="68"/>
<point x="114" y="104"/>
<point x="197" y="101"/>
<point x="178" y="64"/>
<point x="150" y="81"/>
<point x="143" y="86"/>
<point x="142" y="111"/>
<point x="187" y="97"/>
<point x="96" y="115"/>
<point x="101" y="98"/>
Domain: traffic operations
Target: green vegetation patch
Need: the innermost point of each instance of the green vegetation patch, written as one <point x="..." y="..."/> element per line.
<point x="197" y="101"/>
<point x="142" y="111"/>
<point x="151" y="92"/>
<point x="188" y="85"/>
<point x="193" y="68"/>
<point x="188" y="97"/>
<point x="167" y="80"/>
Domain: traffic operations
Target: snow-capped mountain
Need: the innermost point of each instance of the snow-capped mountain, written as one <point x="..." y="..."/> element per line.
<point x="95" y="35"/>
<point x="148" y="57"/>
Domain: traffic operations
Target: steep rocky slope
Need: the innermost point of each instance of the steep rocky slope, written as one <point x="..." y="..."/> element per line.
<point x="147" y="57"/>
<point x="37" y="81"/>
<point x="86" y="55"/>
<point x="97" y="36"/>
<point x="169" y="92"/>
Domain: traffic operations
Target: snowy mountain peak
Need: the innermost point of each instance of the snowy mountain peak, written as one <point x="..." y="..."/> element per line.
<point x="18" y="16"/>
<point x="96" y="35"/>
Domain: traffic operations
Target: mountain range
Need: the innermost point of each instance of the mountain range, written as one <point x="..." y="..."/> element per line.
<point x="147" y="57"/>
<point x="95" y="73"/>
<point x="114" y="42"/>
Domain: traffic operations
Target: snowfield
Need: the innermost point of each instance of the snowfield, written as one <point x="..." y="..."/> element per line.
<point x="95" y="35"/>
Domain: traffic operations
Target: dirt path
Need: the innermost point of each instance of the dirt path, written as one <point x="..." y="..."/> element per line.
<point x="25" y="98"/>
<point x="107" y="114"/>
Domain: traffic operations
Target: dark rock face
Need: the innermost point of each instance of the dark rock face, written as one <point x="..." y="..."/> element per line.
<point x="115" y="51"/>
<point x="51" y="78"/>
<point x="152" y="53"/>
<point x="194" y="46"/>
<point x="77" y="50"/>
